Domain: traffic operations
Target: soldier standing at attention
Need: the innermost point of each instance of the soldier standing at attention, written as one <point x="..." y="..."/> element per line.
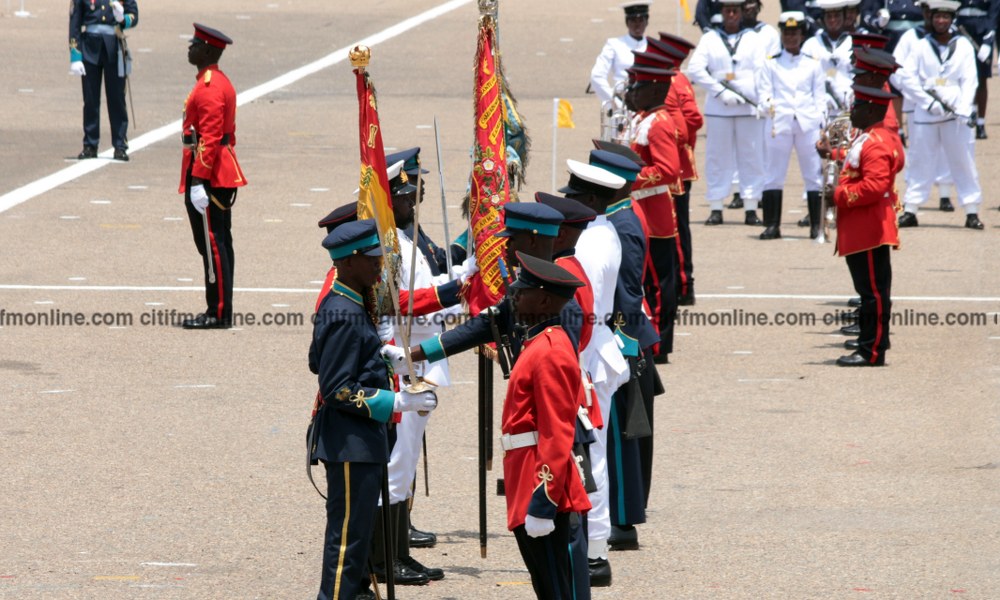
<point x="349" y="430"/>
<point x="724" y="64"/>
<point x="210" y="174"/>
<point x="978" y="19"/>
<point x="866" y="212"/>
<point x="96" y="53"/>
<point x="616" y="56"/>
<point x="544" y="490"/>
<point x="792" y="90"/>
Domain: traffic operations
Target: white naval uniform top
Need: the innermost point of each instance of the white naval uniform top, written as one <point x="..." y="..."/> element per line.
<point x="726" y="57"/>
<point x="835" y="61"/>
<point x="949" y="70"/>
<point x="905" y="47"/>
<point x="599" y="251"/>
<point x="424" y="327"/>
<point x="793" y="86"/>
<point x="769" y="37"/>
<point x="614" y="59"/>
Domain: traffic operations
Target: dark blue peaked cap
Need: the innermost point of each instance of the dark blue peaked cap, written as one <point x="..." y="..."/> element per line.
<point x="356" y="237"/>
<point x="530" y="217"/>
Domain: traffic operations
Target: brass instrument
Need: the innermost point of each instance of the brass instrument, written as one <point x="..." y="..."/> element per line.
<point x="839" y="134"/>
<point x="616" y="119"/>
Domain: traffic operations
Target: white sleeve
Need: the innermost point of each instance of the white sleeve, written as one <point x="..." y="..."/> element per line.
<point x="599" y="74"/>
<point x="698" y="69"/>
<point x="969" y="79"/>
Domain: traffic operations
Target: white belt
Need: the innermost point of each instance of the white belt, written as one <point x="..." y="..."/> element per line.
<point x="100" y="29"/>
<point x="518" y="440"/>
<point x="647" y="192"/>
<point x="972" y="12"/>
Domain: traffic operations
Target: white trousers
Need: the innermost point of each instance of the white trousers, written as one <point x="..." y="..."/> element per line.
<point x="953" y="143"/>
<point x="943" y="177"/>
<point x="779" y="153"/>
<point x="734" y="144"/>
<point x="404" y="456"/>
<point x="599" y="517"/>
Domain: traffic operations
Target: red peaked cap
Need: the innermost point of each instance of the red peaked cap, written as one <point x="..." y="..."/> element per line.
<point x="874" y="95"/>
<point x="664" y="49"/>
<point x="677" y="43"/>
<point x="868" y="40"/>
<point x="212" y="37"/>
<point x="652" y="59"/>
<point x="874" y="61"/>
<point x="639" y="73"/>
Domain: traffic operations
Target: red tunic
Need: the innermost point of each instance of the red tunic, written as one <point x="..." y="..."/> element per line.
<point x="543" y="395"/>
<point x="683" y="107"/>
<point x="866" y="196"/>
<point x="657" y="143"/>
<point x="891" y="122"/>
<point x="585" y="298"/>
<point x="210" y="116"/>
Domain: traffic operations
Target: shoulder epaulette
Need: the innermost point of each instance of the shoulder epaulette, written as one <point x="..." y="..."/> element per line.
<point x="208" y="77"/>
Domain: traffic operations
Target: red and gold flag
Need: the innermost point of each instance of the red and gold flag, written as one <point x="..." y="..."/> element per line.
<point x="373" y="187"/>
<point x="489" y="185"/>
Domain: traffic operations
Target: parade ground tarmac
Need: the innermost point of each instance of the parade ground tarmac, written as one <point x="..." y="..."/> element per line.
<point x="140" y="460"/>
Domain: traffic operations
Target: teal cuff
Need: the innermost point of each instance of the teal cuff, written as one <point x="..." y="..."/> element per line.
<point x="129" y="20"/>
<point x="433" y="349"/>
<point x="75" y="55"/>
<point x="631" y="345"/>
<point x="381" y="405"/>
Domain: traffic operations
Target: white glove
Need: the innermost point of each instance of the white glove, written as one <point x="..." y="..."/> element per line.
<point x="411" y="402"/>
<point x="76" y="68"/>
<point x="118" y="10"/>
<point x="396" y="357"/>
<point x="536" y="527"/>
<point x="465" y="270"/>
<point x="199" y="198"/>
<point x="385" y="329"/>
<point x="985" y="52"/>
<point x="730" y="99"/>
<point x="882" y="18"/>
<point x="936" y="109"/>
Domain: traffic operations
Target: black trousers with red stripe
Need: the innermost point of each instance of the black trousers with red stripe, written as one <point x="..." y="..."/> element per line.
<point x="663" y="302"/>
<point x="872" y="275"/>
<point x="685" y="271"/>
<point x="216" y="245"/>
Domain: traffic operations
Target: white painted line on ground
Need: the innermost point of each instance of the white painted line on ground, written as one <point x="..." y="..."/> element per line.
<point x="195" y="386"/>
<point x="742" y="352"/>
<point x="167" y="564"/>
<point x="84" y="167"/>
<point x="56" y="391"/>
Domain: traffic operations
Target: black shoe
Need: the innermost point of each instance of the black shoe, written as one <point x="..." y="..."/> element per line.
<point x="737" y="201"/>
<point x="852" y="345"/>
<point x="854" y="302"/>
<point x="980" y="132"/>
<point x="972" y="221"/>
<point x="854" y="330"/>
<point x="803" y="222"/>
<point x="623" y="538"/>
<point x="421" y="539"/>
<point x="715" y="218"/>
<point x="771" y="233"/>
<point x="661" y="359"/>
<point x="600" y="572"/>
<point x="686" y="300"/>
<point x="856" y="360"/>
<point x="365" y="595"/>
<point x="121" y="154"/>
<point x="88" y="152"/>
<point x="402" y="575"/>
<point x="908" y="219"/>
<point x="432" y="573"/>
<point x="752" y="218"/>
<point x="204" y="321"/>
<point x="850" y="317"/>
<point x="946" y="205"/>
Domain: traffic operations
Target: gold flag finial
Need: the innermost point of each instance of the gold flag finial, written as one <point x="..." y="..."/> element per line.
<point x="489" y="7"/>
<point x="360" y="56"/>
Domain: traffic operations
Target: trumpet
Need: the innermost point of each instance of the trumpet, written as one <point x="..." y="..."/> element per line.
<point x="616" y="119"/>
<point x="839" y="134"/>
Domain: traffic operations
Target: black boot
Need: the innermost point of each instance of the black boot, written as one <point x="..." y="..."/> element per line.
<point x="814" y="202"/>
<point x="714" y="218"/>
<point x="737" y="201"/>
<point x="403" y="574"/>
<point x="751" y="218"/>
<point x="402" y="513"/>
<point x="772" y="214"/>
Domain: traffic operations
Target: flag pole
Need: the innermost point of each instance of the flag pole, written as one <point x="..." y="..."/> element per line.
<point x="555" y="129"/>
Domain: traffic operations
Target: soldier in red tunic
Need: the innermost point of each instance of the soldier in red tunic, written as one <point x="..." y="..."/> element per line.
<point x="210" y="174"/>
<point x="867" y="204"/>
<point x="544" y="490"/>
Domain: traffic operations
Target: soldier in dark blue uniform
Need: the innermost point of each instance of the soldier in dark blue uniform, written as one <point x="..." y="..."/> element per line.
<point x="434" y="254"/>
<point x="97" y="52"/>
<point x="978" y="19"/>
<point x="348" y="432"/>
<point x="637" y="335"/>
<point x="891" y="18"/>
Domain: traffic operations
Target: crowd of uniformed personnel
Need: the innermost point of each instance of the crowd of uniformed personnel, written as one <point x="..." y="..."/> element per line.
<point x="597" y="273"/>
